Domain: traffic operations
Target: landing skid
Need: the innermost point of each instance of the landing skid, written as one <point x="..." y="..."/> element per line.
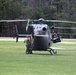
<point x="52" y="52"/>
<point x="29" y="50"/>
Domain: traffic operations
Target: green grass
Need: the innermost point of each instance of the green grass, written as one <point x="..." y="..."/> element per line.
<point x="14" y="61"/>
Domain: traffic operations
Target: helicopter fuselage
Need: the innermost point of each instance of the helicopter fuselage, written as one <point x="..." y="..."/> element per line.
<point x="42" y="37"/>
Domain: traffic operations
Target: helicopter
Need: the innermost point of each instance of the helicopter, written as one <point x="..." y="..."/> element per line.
<point x="39" y="35"/>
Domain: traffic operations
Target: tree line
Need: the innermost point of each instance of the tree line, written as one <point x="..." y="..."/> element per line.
<point x="34" y="9"/>
<point x="48" y="9"/>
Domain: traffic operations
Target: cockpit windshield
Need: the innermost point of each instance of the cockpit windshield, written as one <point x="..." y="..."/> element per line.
<point x="40" y="29"/>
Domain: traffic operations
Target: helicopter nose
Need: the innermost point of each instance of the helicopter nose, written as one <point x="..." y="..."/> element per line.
<point x="41" y="42"/>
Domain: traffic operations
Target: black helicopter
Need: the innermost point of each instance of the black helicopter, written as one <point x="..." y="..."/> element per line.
<point x="39" y="35"/>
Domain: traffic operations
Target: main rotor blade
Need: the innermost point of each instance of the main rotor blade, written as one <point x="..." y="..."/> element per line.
<point x="13" y="20"/>
<point x="26" y="20"/>
<point x="60" y="21"/>
<point x="65" y="27"/>
<point x="27" y="24"/>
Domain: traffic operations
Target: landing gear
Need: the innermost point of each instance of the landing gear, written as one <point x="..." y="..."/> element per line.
<point x="52" y="51"/>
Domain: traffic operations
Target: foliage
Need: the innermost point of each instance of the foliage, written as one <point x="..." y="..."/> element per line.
<point x="49" y="9"/>
<point x="10" y="9"/>
<point x="44" y="12"/>
<point x="34" y="9"/>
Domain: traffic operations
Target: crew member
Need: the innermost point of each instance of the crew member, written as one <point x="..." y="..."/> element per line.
<point x="55" y="35"/>
<point x="28" y="46"/>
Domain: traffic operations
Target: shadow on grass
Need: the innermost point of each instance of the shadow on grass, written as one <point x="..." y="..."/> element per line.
<point x="48" y="54"/>
<point x="41" y="54"/>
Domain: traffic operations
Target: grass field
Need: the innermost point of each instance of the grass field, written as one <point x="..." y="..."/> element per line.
<point x="14" y="61"/>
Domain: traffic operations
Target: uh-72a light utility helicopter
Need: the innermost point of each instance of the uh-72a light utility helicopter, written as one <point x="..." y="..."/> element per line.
<point x="39" y="35"/>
